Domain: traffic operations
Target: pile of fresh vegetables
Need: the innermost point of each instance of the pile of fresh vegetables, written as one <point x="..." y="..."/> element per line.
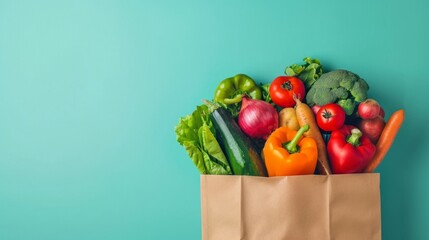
<point x="305" y="122"/>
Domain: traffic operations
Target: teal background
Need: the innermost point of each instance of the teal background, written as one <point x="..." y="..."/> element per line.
<point x="90" y="92"/>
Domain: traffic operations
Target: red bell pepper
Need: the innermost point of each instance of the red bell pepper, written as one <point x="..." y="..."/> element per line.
<point x="349" y="150"/>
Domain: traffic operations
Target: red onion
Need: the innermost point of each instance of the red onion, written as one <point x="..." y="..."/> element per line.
<point x="257" y="118"/>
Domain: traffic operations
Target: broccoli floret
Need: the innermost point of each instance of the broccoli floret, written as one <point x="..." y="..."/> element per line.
<point x="347" y="84"/>
<point x="320" y="92"/>
<point x="347" y="105"/>
<point x="322" y="96"/>
<point x="359" y="90"/>
<point x="332" y="82"/>
<point x="340" y="93"/>
<point x="340" y="86"/>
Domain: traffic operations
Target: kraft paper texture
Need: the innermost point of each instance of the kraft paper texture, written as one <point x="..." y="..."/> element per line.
<point x="296" y="207"/>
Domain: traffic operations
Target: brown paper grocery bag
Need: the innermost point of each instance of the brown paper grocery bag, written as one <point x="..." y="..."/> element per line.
<point x="296" y="207"/>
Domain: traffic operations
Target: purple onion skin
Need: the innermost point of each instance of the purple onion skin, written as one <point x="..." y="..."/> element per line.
<point x="258" y="119"/>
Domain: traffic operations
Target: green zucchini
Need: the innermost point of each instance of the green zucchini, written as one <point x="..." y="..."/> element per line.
<point x="237" y="146"/>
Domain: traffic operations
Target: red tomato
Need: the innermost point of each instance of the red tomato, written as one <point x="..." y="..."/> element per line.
<point x="284" y="88"/>
<point x="331" y="117"/>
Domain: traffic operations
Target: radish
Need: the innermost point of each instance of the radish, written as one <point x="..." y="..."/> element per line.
<point x="369" y="109"/>
<point x="372" y="128"/>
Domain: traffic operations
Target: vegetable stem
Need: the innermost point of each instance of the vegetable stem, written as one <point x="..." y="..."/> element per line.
<point x="236" y="99"/>
<point x="287" y="85"/>
<point x="211" y="105"/>
<point x="354" y="138"/>
<point x="291" y="147"/>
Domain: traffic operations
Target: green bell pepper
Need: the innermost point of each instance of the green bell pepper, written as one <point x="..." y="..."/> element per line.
<point x="231" y="90"/>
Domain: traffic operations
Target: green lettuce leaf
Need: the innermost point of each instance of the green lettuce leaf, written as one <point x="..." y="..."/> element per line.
<point x="308" y="72"/>
<point x="265" y="89"/>
<point x="196" y="134"/>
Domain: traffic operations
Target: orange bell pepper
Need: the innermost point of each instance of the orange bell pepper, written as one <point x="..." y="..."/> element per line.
<point x="287" y="153"/>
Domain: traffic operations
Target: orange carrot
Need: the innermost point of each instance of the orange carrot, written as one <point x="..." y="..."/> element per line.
<point x="386" y="139"/>
<point x="305" y="115"/>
